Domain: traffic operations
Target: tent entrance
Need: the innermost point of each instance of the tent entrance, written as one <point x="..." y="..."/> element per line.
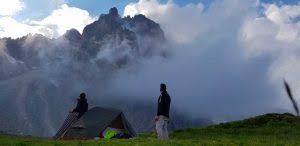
<point x="117" y="123"/>
<point x="116" y="127"/>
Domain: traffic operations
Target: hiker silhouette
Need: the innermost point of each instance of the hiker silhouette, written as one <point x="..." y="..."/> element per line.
<point x="82" y="105"/>
<point x="162" y="116"/>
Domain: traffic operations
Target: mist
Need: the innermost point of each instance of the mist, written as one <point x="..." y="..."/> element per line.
<point x="210" y="72"/>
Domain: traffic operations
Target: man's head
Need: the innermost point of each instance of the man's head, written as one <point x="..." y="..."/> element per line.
<point x="163" y="87"/>
<point x="82" y="95"/>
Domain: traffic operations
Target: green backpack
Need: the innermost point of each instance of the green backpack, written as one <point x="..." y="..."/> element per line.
<point x="110" y="134"/>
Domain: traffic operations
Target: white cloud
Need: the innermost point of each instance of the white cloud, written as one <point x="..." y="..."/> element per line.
<point x="10" y="7"/>
<point x="54" y="25"/>
<point x="185" y="24"/>
<point x="66" y="18"/>
<point x="168" y="16"/>
<point x="9" y="27"/>
<point x="277" y="35"/>
<point x="276" y="32"/>
<point x="236" y="30"/>
<point x="208" y="70"/>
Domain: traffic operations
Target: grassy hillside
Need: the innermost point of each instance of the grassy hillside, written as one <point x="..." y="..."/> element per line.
<point x="270" y="129"/>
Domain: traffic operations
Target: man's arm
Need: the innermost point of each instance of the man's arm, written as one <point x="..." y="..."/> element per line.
<point x="158" y="109"/>
<point x="159" y="105"/>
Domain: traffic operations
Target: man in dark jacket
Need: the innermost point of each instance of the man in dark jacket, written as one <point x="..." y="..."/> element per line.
<point x="162" y="115"/>
<point x="82" y="105"/>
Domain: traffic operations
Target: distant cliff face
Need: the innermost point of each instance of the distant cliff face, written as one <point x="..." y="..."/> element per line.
<point x="40" y="77"/>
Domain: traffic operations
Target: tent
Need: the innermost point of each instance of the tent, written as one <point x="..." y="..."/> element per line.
<point x="93" y="123"/>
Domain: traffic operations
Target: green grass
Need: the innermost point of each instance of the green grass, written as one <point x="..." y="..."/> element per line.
<point x="270" y="129"/>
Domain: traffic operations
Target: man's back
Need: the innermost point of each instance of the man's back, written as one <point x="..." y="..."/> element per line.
<point x="164" y="104"/>
<point x="82" y="107"/>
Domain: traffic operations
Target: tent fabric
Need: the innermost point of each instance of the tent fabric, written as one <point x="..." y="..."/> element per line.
<point x="95" y="121"/>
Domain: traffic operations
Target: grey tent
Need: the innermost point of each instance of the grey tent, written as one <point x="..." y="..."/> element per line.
<point x="94" y="122"/>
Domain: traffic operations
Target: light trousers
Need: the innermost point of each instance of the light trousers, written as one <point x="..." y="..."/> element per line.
<point x="162" y="127"/>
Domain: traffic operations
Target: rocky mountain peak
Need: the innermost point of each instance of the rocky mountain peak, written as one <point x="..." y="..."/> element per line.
<point x="113" y="28"/>
<point x="113" y="12"/>
<point x="73" y="35"/>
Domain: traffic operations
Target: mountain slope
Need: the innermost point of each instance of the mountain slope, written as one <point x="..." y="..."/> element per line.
<point x="269" y="125"/>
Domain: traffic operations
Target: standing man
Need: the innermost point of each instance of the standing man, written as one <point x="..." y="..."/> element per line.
<point x="162" y="116"/>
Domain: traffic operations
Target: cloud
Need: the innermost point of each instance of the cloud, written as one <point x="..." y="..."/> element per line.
<point x="11" y="7"/>
<point x="66" y="18"/>
<point x="208" y="72"/>
<point x="251" y="35"/>
<point x="276" y="35"/>
<point x="175" y="20"/>
<point x="10" y="27"/>
<point x="54" y="25"/>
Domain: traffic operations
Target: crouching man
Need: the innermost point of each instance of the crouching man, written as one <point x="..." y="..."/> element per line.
<point x="162" y="116"/>
<point x="82" y="105"/>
